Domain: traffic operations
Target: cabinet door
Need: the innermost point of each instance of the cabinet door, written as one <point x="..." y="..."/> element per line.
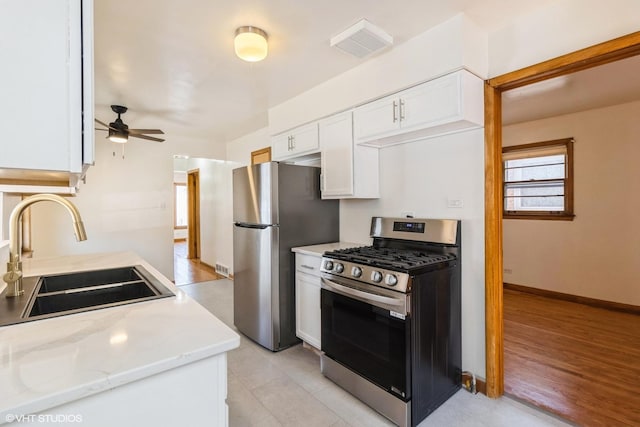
<point x="430" y="103"/>
<point x="336" y="146"/>
<point x="308" y="308"/>
<point x="281" y="146"/>
<point x="376" y="119"/>
<point x="41" y="85"/>
<point x="305" y="139"/>
<point x="297" y="142"/>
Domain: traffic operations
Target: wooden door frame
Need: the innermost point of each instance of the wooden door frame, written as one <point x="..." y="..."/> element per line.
<point x="257" y="154"/>
<point x="600" y="54"/>
<point x="193" y="214"/>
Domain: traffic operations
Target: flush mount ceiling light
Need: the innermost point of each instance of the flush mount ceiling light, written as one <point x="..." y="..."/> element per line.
<point x="251" y="43"/>
<point x="361" y="39"/>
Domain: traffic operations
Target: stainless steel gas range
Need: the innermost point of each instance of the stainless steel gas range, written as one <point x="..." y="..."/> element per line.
<point x="391" y="328"/>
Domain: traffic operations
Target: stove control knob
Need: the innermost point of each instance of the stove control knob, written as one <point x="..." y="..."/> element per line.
<point x="328" y="265"/>
<point x="376" y="276"/>
<point x="391" y="280"/>
<point x="339" y="267"/>
<point x="356" y="272"/>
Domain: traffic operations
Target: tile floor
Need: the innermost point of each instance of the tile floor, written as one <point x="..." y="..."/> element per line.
<point x="287" y="388"/>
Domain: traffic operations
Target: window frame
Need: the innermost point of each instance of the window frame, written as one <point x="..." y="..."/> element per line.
<point x="568" y="213"/>
<point x="175" y="205"/>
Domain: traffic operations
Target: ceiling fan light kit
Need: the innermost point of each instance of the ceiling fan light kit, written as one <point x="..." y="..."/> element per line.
<point x="118" y="136"/>
<point x="250" y="43"/>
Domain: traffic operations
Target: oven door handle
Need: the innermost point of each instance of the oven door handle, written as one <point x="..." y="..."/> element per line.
<point x="369" y="298"/>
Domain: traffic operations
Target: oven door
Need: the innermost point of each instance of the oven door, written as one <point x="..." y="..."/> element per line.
<point x="368" y="333"/>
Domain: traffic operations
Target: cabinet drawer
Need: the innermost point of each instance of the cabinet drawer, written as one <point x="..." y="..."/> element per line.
<point x="309" y="264"/>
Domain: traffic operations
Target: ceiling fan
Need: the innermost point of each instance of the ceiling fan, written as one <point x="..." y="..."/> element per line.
<point x="119" y="132"/>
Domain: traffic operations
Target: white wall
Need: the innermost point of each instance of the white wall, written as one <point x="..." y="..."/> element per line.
<point x="596" y="255"/>
<point x="239" y="150"/>
<point x="126" y="204"/>
<point x="561" y="27"/>
<point x="421" y="177"/>
<point x="216" y="219"/>
<point x="8" y="202"/>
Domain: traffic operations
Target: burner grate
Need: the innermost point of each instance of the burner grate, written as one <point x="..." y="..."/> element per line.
<point x="389" y="258"/>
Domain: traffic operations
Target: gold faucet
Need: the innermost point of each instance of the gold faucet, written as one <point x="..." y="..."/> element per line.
<point x="13" y="276"/>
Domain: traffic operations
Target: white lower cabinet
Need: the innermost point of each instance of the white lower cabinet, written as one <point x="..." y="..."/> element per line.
<point x="308" y="298"/>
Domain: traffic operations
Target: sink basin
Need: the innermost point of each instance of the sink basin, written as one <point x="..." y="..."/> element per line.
<point x="85" y="279"/>
<point x="62" y="294"/>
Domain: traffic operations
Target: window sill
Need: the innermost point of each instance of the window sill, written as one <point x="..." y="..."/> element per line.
<point x="546" y="217"/>
<point x="180" y="227"/>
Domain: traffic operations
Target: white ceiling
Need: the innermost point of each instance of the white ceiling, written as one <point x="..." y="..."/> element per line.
<point x="609" y="84"/>
<point x="172" y="61"/>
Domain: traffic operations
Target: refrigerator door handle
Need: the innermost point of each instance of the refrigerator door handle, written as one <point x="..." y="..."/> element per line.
<point x="246" y="225"/>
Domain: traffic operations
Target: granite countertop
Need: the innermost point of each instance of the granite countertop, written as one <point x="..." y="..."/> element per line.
<point x="50" y="362"/>
<point x="319" y="250"/>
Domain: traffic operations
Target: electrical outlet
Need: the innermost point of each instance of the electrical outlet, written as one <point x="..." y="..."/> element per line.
<point x="407" y="214"/>
<point x="455" y="203"/>
<point x="508" y="271"/>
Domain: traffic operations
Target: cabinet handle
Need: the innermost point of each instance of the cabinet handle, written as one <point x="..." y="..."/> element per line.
<point x="395" y="117"/>
<point x="289" y="143"/>
<point x="401" y="110"/>
<point x="293" y="142"/>
<point x="308" y="267"/>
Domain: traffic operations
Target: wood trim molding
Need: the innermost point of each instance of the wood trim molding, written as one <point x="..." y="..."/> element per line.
<point x="193" y="228"/>
<point x="613" y="50"/>
<point x="593" y="302"/>
<point x="494" y="340"/>
<point x="481" y="386"/>
<point x="262" y="155"/>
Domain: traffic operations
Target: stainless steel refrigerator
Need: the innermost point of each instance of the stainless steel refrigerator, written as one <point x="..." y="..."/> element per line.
<point x="276" y="207"/>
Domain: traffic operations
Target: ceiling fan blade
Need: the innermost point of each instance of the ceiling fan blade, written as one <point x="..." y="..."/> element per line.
<point x="104" y="124"/>
<point x="141" y="131"/>
<point x="101" y="129"/>
<point x="150" y="138"/>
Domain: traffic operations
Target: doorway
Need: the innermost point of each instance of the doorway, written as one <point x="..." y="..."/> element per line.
<point x="623" y="47"/>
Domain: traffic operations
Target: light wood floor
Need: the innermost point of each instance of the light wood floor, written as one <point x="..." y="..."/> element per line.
<point x="187" y="271"/>
<point x="577" y="361"/>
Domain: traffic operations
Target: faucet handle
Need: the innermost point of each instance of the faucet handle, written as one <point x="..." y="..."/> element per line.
<point x="12" y="276"/>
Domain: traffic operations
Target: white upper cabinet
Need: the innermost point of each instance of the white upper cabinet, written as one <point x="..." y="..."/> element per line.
<point x="348" y="171"/>
<point x="46" y="82"/>
<point x="448" y="104"/>
<point x="300" y="141"/>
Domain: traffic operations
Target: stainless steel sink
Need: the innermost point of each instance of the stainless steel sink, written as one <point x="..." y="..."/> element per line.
<point x="62" y="294"/>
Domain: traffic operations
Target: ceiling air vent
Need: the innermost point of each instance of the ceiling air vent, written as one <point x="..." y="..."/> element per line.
<point x="361" y="39"/>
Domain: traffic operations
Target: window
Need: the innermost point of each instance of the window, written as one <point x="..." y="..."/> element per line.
<point x="180" y="208"/>
<point x="538" y="180"/>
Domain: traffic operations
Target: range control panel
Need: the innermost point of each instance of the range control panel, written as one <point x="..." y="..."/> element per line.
<point x="410" y="227"/>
